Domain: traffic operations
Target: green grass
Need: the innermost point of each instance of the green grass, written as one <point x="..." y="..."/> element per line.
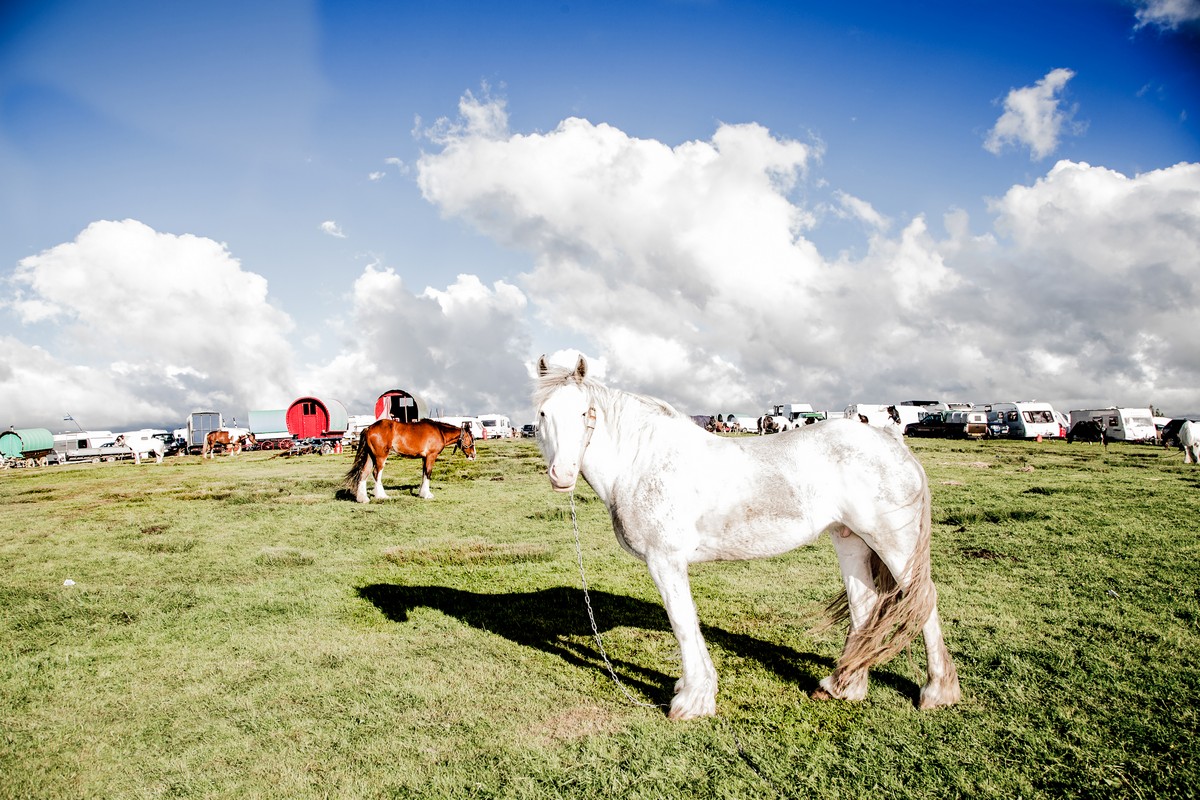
<point x="238" y="629"/>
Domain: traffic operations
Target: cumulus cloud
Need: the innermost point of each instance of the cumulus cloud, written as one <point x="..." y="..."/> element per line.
<point x="461" y="348"/>
<point x="682" y="271"/>
<point x="1035" y="117"/>
<point x="333" y="229"/>
<point x="1167" y="14"/>
<point x="143" y="324"/>
<point x="687" y="269"/>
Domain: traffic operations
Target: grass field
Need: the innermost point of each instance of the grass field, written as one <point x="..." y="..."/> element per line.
<point x="237" y="630"/>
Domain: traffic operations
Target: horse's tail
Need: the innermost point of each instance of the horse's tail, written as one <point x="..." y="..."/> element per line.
<point x="361" y="456"/>
<point x="899" y="615"/>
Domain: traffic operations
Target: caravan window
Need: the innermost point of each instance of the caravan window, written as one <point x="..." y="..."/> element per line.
<point x="1012" y="416"/>
<point x="1039" y="416"/>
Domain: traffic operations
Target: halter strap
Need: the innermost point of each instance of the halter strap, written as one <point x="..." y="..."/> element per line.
<point x="587" y="434"/>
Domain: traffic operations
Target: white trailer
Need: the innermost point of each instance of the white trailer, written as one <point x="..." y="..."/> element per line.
<point x="496" y="426"/>
<point x="1120" y="424"/>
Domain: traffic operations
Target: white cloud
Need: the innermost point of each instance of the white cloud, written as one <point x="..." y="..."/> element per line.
<point x="1167" y="14"/>
<point x="1034" y="117"/>
<point x="686" y="268"/>
<point x="126" y="306"/>
<point x="857" y="208"/>
<point x="461" y="349"/>
<point x="333" y="229"/>
<point x="377" y="176"/>
<point x="682" y="271"/>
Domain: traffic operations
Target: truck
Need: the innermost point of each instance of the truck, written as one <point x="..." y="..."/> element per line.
<point x="1120" y="424"/>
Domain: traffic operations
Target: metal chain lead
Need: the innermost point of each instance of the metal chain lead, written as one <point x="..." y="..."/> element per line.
<point x="587" y="600"/>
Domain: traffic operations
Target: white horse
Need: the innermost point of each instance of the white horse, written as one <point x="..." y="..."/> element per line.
<point x="678" y="495"/>
<point x="1189" y="439"/>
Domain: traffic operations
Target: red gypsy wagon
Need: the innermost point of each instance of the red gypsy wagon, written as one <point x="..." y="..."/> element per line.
<point x="400" y="405"/>
<point x="314" y="418"/>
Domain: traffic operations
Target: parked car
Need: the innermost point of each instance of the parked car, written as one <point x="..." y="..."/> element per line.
<point x="528" y="431"/>
<point x="950" y="425"/>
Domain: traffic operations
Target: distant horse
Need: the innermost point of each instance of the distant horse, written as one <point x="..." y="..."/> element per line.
<point x="678" y="497"/>
<point x="1189" y="439"/>
<point x="425" y="439"/>
<point x="230" y="441"/>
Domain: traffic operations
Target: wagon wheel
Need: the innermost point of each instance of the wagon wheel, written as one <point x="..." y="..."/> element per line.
<point x="95" y="459"/>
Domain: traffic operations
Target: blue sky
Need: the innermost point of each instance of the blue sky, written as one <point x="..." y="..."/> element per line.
<point x="393" y="194"/>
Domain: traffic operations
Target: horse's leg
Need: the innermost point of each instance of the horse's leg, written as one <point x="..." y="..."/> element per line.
<point x="379" y="461"/>
<point x="854" y="558"/>
<point x="942" y="688"/>
<point x="426" y="474"/>
<point x="696" y="689"/>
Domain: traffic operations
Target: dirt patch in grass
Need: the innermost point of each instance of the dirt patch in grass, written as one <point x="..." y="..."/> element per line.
<point x="578" y="722"/>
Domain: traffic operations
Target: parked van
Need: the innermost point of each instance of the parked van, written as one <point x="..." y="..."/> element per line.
<point x="1121" y="424"/>
<point x="1026" y="419"/>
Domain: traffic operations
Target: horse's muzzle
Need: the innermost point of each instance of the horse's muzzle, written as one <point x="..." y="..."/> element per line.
<point x="562" y="483"/>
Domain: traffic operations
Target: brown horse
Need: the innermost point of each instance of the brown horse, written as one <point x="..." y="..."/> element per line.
<point x="230" y="441"/>
<point x="424" y="439"/>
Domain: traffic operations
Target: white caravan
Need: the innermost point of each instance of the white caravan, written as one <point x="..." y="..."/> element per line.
<point x="496" y="426"/>
<point x="1121" y="424"/>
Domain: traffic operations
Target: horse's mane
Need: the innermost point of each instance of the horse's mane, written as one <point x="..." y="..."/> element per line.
<point x="445" y="426"/>
<point x="604" y="397"/>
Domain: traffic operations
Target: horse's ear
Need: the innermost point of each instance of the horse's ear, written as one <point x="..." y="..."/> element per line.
<point x="543" y="367"/>
<point x="581" y="368"/>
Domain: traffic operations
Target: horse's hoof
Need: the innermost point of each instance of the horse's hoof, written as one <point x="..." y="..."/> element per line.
<point x="821" y="694"/>
<point x="939" y="697"/>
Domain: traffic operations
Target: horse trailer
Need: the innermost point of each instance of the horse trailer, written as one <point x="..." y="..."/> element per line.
<point x="1120" y="424"/>
<point x="199" y="425"/>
